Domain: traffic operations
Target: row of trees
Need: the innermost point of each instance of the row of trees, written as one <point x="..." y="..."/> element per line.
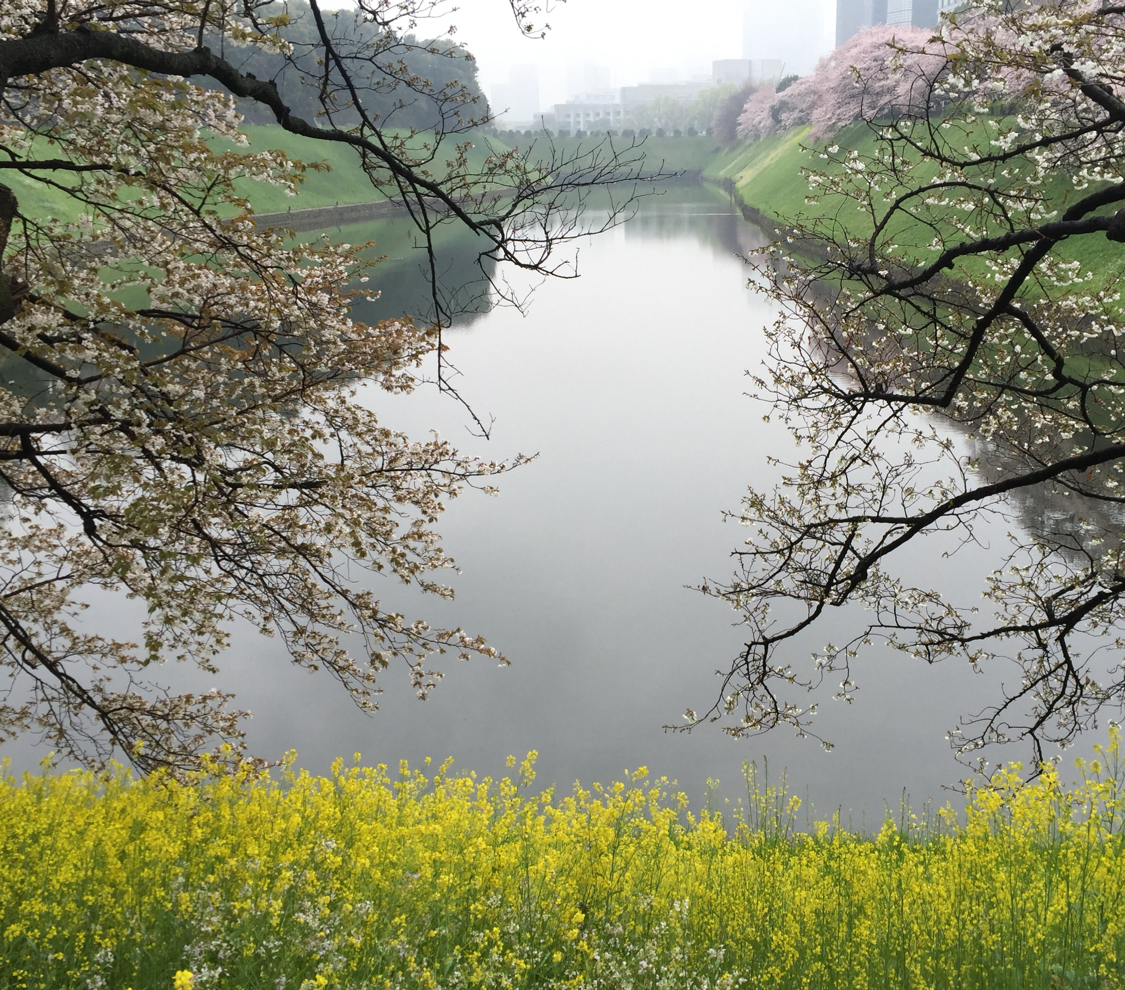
<point x="669" y="114"/>
<point x="412" y="83"/>
<point x="627" y="132"/>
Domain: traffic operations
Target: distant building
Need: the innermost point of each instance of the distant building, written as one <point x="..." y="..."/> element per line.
<point x="597" y="96"/>
<point x="685" y="92"/>
<point x="587" y="117"/>
<point x="919" y="13"/>
<point x="924" y="13"/>
<point x="766" y="70"/>
<point x="852" y="16"/>
<point x="587" y="81"/>
<point x="900" y="11"/>
<point x="795" y="33"/>
<point x="730" y="70"/>
<point x="615" y="114"/>
<point x="517" y="101"/>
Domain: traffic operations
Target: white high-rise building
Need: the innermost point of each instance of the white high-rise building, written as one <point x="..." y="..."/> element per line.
<point x="900" y="11"/>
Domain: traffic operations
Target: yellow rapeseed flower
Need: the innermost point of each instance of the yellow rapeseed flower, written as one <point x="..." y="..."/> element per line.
<point x="415" y="882"/>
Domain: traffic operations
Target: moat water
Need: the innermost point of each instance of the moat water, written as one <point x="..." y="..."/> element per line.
<point x="630" y="385"/>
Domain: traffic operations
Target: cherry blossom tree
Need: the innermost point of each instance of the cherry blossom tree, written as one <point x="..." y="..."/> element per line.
<point x="181" y="413"/>
<point x="854" y="82"/>
<point x="950" y="351"/>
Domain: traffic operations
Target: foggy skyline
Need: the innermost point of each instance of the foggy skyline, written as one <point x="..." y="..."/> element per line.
<point x="638" y="40"/>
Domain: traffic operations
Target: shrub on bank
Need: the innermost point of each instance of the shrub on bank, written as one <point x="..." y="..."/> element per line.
<point x="372" y="879"/>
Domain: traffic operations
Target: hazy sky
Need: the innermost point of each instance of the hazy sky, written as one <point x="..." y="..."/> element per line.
<point x="632" y="37"/>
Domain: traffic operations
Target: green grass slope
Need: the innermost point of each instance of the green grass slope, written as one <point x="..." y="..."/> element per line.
<point x="769" y="175"/>
<point x="342" y="181"/>
<point x="346" y="182"/>
<point x="669" y="154"/>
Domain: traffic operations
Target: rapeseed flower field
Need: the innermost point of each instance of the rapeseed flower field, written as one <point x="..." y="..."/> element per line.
<point x="427" y="880"/>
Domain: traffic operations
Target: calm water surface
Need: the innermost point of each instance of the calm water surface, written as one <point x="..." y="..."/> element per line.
<point x="630" y="385"/>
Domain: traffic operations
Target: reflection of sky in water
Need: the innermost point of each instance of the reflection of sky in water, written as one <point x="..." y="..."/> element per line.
<point x="403" y="276"/>
<point x="629" y="383"/>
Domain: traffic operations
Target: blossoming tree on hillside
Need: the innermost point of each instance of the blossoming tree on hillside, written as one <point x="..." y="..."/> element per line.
<point x="851" y="83"/>
<point x="967" y="285"/>
<point x="178" y="415"/>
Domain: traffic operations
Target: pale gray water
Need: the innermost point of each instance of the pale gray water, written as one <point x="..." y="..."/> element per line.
<point x="629" y="383"/>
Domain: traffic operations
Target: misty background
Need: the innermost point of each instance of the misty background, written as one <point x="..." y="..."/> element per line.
<point x="593" y="49"/>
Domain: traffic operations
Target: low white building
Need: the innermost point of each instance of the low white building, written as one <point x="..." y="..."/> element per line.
<point x="589" y="116"/>
<point x="685" y="92"/>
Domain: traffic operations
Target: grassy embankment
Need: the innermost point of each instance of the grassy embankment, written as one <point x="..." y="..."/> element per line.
<point x="374" y="879"/>
<point x="345" y="182"/>
<point x="767" y="173"/>
<point x="768" y="177"/>
<point x="666" y="154"/>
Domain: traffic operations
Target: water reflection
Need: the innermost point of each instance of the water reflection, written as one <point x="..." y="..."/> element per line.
<point x="705" y="216"/>
<point x="403" y="274"/>
<point x="629" y="384"/>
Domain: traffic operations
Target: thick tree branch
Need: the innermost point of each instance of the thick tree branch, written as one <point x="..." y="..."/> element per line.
<point x="41" y="53"/>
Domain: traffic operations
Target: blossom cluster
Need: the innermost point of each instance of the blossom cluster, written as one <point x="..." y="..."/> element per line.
<point x="865" y="78"/>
